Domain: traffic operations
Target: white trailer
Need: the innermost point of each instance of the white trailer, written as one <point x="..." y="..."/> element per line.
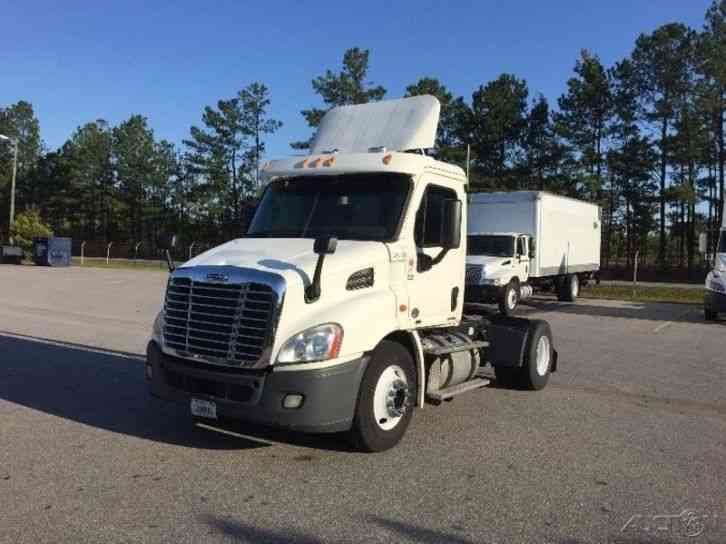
<point x="342" y="307"/>
<point x="526" y="240"/>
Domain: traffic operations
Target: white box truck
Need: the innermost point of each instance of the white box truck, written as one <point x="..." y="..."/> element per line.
<point x="342" y="307"/>
<point x="526" y="240"/>
<point x="714" y="301"/>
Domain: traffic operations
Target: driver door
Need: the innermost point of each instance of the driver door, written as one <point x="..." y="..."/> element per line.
<point x="435" y="292"/>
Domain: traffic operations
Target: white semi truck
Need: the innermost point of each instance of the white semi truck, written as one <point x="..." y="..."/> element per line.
<point x="714" y="301"/>
<point x="341" y="309"/>
<point x="526" y="240"/>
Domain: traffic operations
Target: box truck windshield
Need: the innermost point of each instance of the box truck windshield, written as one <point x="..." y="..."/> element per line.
<point x="350" y="207"/>
<point x="490" y="245"/>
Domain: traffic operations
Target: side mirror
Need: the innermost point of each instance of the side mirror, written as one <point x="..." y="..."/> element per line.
<point x="326" y="245"/>
<point x="532" y="251"/>
<point x="451" y="224"/>
<point x="702" y="243"/>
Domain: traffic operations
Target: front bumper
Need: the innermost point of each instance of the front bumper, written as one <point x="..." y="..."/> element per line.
<point x="330" y="394"/>
<point x="482" y="293"/>
<point x="714" y="301"/>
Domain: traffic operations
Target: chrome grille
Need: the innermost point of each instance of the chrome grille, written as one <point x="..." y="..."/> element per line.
<point x="227" y="323"/>
<point x="473" y="274"/>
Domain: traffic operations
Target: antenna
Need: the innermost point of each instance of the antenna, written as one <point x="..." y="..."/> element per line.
<point x="468" y="157"/>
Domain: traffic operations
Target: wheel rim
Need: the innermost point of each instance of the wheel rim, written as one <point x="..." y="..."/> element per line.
<point x="390" y="398"/>
<point x="574" y="287"/>
<point x="543" y="355"/>
<point x="511" y="299"/>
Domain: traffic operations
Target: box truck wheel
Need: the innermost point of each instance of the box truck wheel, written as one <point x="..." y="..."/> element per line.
<point x="537" y="365"/>
<point x="569" y="288"/>
<point x="510" y="298"/>
<point x="386" y="398"/>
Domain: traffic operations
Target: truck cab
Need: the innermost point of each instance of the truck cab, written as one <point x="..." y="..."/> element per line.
<point x="497" y="263"/>
<point x="715" y="293"/>
<point x="342" y="307"/>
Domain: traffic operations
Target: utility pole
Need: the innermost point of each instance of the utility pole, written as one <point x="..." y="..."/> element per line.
<point x="12" y="182"/>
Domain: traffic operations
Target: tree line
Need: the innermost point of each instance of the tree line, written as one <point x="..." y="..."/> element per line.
<point x="644" y="138"/>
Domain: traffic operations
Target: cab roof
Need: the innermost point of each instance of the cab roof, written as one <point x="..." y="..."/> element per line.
<point x="358" y="163"/>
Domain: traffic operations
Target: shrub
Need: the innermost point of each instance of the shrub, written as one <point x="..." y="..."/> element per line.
<point x="28" y="225"/>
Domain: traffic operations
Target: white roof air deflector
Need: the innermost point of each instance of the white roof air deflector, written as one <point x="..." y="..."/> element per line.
<point x="396" y="125"/>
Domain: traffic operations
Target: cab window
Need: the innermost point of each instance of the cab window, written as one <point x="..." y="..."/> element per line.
<point x="427" y="230"/>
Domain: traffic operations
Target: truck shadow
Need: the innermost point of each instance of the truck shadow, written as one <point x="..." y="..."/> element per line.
<point x="647" y="311"/>
<point x="107" y="390"/>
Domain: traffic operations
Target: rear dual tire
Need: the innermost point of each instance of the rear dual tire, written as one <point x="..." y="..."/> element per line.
<point x="568" y="288"/>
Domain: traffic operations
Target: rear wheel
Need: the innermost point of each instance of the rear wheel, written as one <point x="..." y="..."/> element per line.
<point x="386" y="399"/>
<point x="510" y="298"/>
<point x="538" y="360"/>
<point x="569" y="289"/>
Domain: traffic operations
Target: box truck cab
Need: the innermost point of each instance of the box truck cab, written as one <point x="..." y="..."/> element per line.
<point x="714" y="301"/>
<point x="523" y="241"/>
<point x="341" y="309"/>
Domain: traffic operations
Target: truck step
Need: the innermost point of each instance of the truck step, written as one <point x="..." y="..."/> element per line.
<point x="450" y="392"/>
<point x="443" y="350"/>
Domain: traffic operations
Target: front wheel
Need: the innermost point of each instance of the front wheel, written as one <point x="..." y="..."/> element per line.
<point x="509" y="300"/>
<point x="386" y="399"/>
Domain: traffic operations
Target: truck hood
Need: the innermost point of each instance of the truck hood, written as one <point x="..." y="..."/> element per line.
<point x="488" y="263"/>
<point x="292" y="258"/>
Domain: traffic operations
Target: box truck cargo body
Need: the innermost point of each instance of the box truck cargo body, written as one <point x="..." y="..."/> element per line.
<point x="522" y="240"/>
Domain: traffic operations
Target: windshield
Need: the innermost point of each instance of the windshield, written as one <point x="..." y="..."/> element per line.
<point x="350" y="207"/>
<point x="491" y="245"/>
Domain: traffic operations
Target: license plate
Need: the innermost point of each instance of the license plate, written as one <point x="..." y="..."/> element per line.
<point x="204" y="408"/>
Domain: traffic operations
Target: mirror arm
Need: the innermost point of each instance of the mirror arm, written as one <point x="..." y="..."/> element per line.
<point x="312" y="293"/>
<point x="169" y="261"/>
<point x="440" y="257"/>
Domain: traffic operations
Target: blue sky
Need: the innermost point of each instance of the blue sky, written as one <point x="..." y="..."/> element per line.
<point x="77" y="61"/>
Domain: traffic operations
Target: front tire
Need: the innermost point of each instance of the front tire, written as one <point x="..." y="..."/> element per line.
<point x="386" y="399"/>
<point x="510" y="299"/>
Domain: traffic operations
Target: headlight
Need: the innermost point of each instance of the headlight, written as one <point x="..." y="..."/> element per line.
<point x="158" y="329"/>
<point x="316" y="344"/>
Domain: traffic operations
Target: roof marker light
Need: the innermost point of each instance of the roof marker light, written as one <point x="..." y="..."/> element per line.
<point x="316" y="163"/>
<point x="302" y="164"/>
<point x="387" y="159"/>
<point x="329" y="162"/>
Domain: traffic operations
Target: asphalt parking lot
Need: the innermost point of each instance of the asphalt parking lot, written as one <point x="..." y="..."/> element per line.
<point x="627" y="443"/>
